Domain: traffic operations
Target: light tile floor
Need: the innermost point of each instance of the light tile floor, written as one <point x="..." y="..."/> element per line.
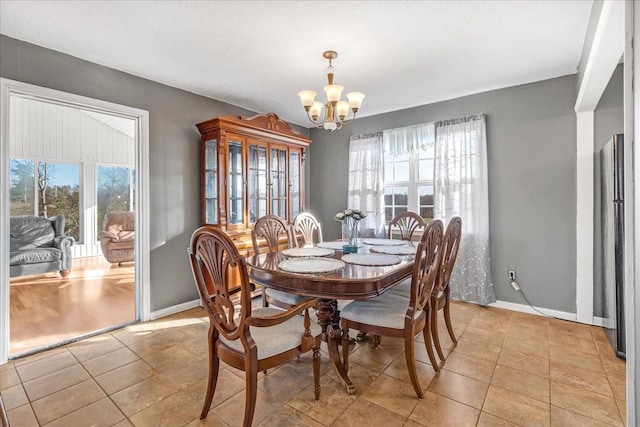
<point x="507" y="369"/>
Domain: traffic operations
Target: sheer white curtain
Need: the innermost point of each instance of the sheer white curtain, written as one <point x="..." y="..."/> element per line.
<point x="461" y="189"/>
<point x="366" y="165"/>
<point x="408" y="139"/>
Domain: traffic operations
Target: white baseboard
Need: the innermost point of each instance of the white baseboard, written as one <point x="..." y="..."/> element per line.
<point x="174" y="309"/>
<point x="522" y="308"/>
<point x="526" y="309"/>
<point x="605" y="323"/>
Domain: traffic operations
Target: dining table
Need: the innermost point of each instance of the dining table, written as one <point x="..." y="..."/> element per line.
<point x="335" y="276"/>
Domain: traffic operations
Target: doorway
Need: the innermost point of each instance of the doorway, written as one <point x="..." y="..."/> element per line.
<point x="84" y="158"/>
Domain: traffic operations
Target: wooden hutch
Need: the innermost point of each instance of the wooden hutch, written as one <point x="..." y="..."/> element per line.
<point x="250" y="167"/>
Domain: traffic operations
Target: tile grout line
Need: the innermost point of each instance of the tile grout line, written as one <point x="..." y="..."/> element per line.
<point x="495" y="364"/>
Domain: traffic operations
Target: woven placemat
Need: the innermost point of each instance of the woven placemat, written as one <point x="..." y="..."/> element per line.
<point x="371" y="259"/>
<point x="311" y="265"/>
<point x="384" y="242"/>
<point x="393" y="250"/>
<point x="307" y="252"/>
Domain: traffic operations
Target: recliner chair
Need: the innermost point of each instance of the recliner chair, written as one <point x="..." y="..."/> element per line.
<point x="118" y="236"/>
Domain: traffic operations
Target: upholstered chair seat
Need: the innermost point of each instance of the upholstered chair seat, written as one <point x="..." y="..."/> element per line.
<point x="274" y="339"/>
<point x="402" y="289"/>
<point x="387" y="311"/>
<point x="284" y="298"/>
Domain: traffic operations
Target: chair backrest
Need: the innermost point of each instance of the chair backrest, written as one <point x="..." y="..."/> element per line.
<point x="213" y="255"/>
<point x="271" y="228"/>
<point x="31" y="232"/>
<point x="427" y="265"/>
<point x="307" y="224"/>
<point x="407" y="223"/>
<point x="450" y="246"/>
<point x="116" y="221"/>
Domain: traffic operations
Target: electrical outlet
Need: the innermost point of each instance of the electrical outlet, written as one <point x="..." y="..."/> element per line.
<point x="512" y="272"/>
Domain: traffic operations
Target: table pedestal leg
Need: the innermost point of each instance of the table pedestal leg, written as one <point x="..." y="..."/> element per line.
<point x="329" y="319"/>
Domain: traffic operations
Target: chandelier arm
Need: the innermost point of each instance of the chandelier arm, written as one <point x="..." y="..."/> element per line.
<point x="317" y="123"/>
<point x="346" y="122"/>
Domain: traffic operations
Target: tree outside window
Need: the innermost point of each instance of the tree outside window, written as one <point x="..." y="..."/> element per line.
<point x="46" y="189"/>
<point x="115" y="185"/>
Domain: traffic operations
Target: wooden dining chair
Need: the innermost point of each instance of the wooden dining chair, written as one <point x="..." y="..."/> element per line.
<point x="394" y="316"/>
<point x="248" y="339"/>
<point x="278" y="235"/>
<point x="442" y="291"/>
<point x="275" y="231"/>
<point x="406" y="223"/>
<point x="307" y="225"/>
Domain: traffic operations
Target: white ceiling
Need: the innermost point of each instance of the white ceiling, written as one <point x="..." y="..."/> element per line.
<point x="259" y="54"/>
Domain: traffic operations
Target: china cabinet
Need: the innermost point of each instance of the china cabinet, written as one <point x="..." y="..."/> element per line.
<point x="251" y="167"/>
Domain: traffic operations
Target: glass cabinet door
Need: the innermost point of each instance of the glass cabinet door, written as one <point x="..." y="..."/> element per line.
<point x="294" y="183"/>
<point x="211" y="181"/>
<point x="235" y="187"/>
<point x="278" y="184"/>
<point x="257" y="181"/>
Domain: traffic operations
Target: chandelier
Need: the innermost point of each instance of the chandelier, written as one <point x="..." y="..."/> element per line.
<point x="335" y="110"/>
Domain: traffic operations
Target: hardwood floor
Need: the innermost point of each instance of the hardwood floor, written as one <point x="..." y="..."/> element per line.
<point x="46" y="308"/>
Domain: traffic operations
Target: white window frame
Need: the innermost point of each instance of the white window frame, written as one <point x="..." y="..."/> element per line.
<point x="413" y="184"/>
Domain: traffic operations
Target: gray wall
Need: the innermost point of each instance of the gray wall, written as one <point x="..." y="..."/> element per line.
<point x="531" y="146"/>
<point x="531" y="137"/>
<point x="608" y="120"/>
<point x="173" y="149"/>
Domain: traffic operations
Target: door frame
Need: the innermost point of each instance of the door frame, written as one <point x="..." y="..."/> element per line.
<point x="142" y="244"/>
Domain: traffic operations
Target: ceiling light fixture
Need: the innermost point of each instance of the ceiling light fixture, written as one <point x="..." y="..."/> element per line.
<point x="335" y="110"/>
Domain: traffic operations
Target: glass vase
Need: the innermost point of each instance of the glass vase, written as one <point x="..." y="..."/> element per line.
<point x="350" y="228"/>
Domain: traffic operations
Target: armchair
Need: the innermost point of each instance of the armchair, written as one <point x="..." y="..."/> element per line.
<point x="246" y="338"/>
<point x="117" y="239"/>
<point x="39" y="245"/>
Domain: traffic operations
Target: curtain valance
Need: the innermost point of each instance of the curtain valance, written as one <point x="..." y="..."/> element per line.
<point x="408" y="139"/>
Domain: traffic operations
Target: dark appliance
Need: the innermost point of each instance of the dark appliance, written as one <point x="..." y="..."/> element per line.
<point x="612" y="168"/>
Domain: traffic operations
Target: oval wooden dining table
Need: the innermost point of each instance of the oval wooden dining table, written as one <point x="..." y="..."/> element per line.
<point x="352" y="282"/>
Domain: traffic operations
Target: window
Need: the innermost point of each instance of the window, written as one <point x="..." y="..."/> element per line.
<point x="115" y="184"/>
<point x="46" y="189"/>
<point x="408" y="183"/>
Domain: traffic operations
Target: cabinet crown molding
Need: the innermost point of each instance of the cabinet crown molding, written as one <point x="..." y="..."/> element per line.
<point x="267" y="125"/>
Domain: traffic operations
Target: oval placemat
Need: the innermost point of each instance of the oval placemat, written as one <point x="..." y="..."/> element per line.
<point x="333" y="245"/>
<point x="307" y="252"/>
<point x="384" y="242"/>
<point x="393" y="250"/>
<point x="310" y="265"/>
<point x="371" y="259"/>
